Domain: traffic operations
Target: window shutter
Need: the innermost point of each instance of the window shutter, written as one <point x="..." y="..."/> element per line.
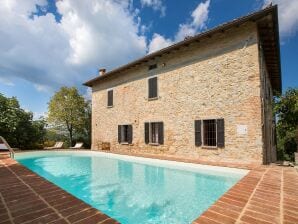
<point x="160" y="133"/>
<point x="220" y="133"/>
<point x="119" y="133"/>
<point x="110" y="98"/>
<point x="152" y="87"/>
<point x="129" y="134"/>
<point x="147" y="133"/>
<point x="198" y="135"/>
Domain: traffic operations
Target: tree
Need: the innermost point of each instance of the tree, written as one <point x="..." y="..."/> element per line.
<point x="84" y="134"/>
<point x="67" y="110"/>
<point x="286" y="109"/>
<point x="18" y="126"/>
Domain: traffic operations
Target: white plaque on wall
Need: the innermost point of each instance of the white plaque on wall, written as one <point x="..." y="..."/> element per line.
<point x="242" y="129"/>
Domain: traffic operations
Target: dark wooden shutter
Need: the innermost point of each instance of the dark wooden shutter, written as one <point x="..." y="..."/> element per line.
<point x="220" y="133"/>
<point x="129" y="134"/>
<point x="160" y="133"/>
<point x="152" y="87"/>
<point x="119" y="133"/>
<point x="110" y="98"/>
<point x="198" y="135"/>
<point x="147" y="133"/>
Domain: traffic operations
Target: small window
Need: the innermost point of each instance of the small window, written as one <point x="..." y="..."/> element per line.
<point x="110" y="98"/>
<point x="210" y="132"/>
<point x="125" y="134"/>
<point x="154" y="133"/>
<point x="151" y="67"/>
<point x="152" y="88"/>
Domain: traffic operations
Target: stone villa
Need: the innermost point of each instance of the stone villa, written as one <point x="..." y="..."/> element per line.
<point x="208" y="96"/>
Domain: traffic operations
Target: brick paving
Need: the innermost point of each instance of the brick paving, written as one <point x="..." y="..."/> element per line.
<point x="26" y="197"/>
<point x="267" y="194"/>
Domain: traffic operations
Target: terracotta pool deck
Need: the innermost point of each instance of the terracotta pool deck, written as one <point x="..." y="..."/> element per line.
<point x="26" y="197"/>
<point x="267" y="194"/>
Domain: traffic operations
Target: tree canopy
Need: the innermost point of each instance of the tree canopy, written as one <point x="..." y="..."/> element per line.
<point x="17" y="125"/>
<point x="286" y="109"/>
<point x="67" y="110"/>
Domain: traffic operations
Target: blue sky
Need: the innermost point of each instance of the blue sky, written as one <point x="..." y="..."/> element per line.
<point x="45" y="44"/>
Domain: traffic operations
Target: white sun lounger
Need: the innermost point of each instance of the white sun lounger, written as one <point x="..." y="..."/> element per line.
<point x="58" y="145"/>
<point x="78" y="145"/>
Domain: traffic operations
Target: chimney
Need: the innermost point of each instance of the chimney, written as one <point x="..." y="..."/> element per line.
<point x="101" y="71"/>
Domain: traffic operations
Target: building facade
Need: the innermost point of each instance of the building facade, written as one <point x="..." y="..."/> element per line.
<point x="206" y="97"/>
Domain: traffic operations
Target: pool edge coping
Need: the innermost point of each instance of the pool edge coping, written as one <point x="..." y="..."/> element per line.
<point x="171" y="164"/>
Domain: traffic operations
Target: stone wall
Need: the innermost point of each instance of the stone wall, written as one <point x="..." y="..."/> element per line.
<point x="269" y="146"/>
<point x="218" y="77"/>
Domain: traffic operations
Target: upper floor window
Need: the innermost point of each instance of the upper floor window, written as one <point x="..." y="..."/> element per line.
<point x="210" y="133"/>
<point x="110" y="98"/>
<point x="152" y="88"/>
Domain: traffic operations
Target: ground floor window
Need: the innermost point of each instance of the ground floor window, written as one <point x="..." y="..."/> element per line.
<point x="210" y="132"/>
<point x="125" y="134"/>
<point x="154" y="133"/>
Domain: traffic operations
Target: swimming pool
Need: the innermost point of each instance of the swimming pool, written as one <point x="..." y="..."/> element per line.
<point x="131" y="189"/>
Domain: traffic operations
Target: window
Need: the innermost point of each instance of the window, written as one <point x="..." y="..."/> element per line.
<point x="211" y="131"/>
<point x="152" y="88"/>
<point x="110" y="98"/>
<point x="154" y="133"/>
<point x="151" y="67"/>
<point x="125" y="134"/>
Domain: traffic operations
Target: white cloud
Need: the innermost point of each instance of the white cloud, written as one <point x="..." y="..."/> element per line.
<point x="266" y="3"/>
<point x="158" y="42"/>
<point x="5" y="81"/>
<point x="156" y="5"/>
<point x="91" y="34"/>
<point x="199" y="19"/>
<point x="42" y="88"/>
<point x="288" y="16"/>
<point x="198" y="23"/>
<point x="88" y="94"/>
<point x="184" y="31"/>
<point x="200" y="15"/>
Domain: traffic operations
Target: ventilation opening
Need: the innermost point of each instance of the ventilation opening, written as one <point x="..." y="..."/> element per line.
<point x="151" y="67"/>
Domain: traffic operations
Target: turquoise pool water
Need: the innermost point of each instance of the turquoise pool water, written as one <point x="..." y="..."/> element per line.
<point x="131" y="191"/>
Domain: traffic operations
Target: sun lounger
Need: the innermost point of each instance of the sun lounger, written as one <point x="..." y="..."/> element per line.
<point x="79" y="145"/>
<point x="58" y="145"/>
